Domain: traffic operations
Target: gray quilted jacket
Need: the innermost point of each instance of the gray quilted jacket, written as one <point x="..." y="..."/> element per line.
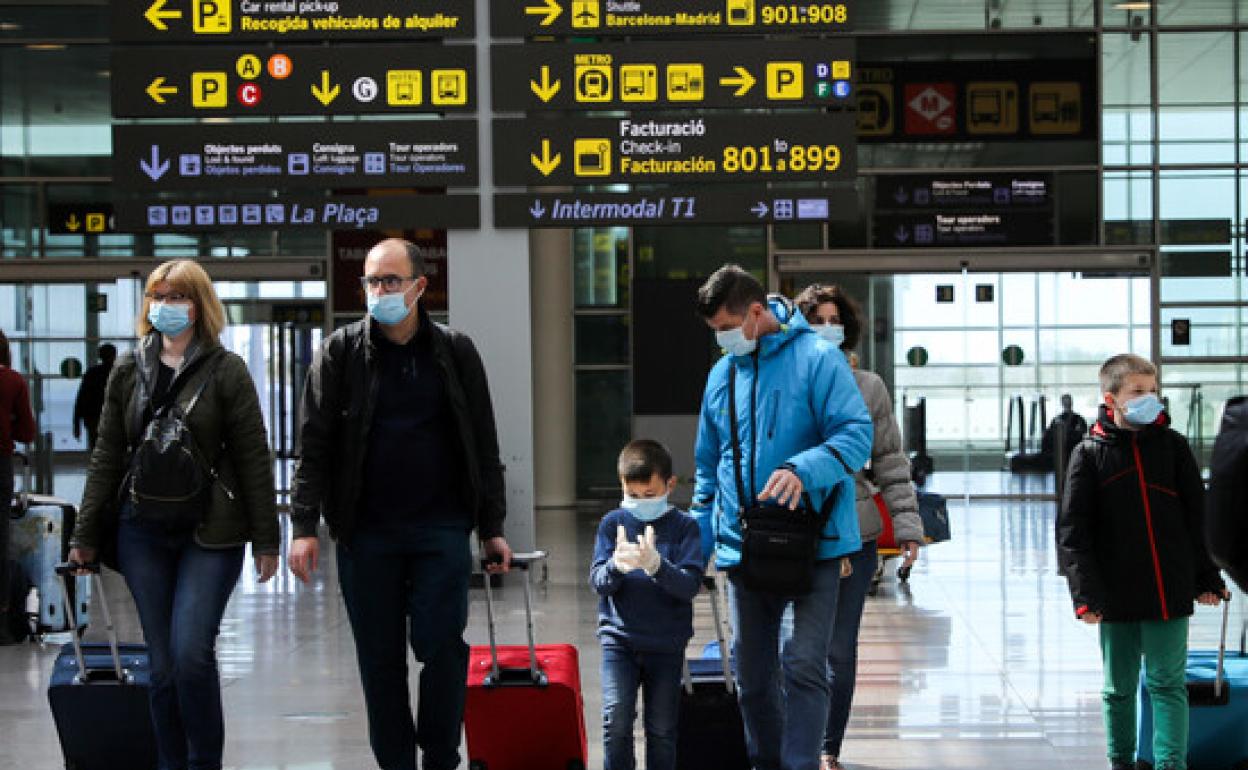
<point x="888" y="470"/>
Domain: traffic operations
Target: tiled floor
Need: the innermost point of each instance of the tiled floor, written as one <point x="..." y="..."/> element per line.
<point x="976" y="664"/>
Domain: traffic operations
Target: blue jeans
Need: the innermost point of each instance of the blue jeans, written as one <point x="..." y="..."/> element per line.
<point x="843" y="653"/>
<point x="784" y="692"/>
<point x="410" y="586"/>
<point x="659" y="675"/>
<point x="181" y="589"/>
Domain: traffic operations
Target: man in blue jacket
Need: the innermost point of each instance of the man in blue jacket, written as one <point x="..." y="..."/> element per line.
<point x="803" y="423"/>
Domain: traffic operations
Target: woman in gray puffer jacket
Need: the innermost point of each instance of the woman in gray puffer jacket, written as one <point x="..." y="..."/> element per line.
<point x="836" y="317"/>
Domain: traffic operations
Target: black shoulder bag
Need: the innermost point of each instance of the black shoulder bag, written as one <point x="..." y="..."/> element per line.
<point x="779" y="546"/>
<point x="169" y="482"/>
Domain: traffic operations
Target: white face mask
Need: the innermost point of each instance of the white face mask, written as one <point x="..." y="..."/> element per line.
<point x="834" y="333"/>
<point x="645" y="509"/>
<point x="735" y="342"/>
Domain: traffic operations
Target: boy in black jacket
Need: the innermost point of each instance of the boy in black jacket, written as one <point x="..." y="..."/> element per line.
<point x="1130" y="543"/>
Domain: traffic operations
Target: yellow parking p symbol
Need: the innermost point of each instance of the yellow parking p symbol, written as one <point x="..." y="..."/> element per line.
<point x="211" y="17"/>
<point x="208" y="90"/>
<point x="784" y="80"/>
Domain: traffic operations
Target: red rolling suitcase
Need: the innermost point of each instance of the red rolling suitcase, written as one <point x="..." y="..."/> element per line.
<point x="524" y="709"/>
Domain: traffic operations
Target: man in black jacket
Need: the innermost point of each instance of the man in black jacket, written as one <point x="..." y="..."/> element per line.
<point x="1228" y="493"/>
<point x="90" y="401"/>
<point x="398" y="451"/>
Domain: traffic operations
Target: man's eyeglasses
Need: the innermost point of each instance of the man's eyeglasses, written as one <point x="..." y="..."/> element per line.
<point x="387" y="282"/>
<point x="173" y="296"/>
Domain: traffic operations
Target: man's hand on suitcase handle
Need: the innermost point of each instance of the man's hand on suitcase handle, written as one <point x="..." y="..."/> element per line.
<point x="1213" y="598"/>
<point x="81" y="561"/>
<point x="497" y="555"/>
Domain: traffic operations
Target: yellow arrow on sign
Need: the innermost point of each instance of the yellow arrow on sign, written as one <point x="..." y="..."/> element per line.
<point x="546" y="164"/>
<point x="157" y="14"/>
<point x="72" y="224"/>
<point x="550" y="9"/>
<point x="325" y="93"/>
<point x="545" y="90"/>
<point x="158" y="90"/>
<point x="743" y="82"/>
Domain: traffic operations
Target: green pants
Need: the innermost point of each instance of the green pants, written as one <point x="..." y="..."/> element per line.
<point x="1163" y="646"/>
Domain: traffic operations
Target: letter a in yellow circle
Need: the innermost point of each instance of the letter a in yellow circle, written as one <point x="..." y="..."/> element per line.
<point x="249" y="66"/>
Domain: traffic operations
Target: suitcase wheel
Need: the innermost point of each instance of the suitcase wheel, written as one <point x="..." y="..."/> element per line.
<point x="576" y="764"/>
<point x="476" y="764"/>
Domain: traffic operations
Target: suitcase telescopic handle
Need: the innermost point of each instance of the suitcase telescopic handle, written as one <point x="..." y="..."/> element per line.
<point x="67" y="572"/>
<point x="1219" y="680"/>
<point x="711" y="584"/>
<point x="534" y="675"/>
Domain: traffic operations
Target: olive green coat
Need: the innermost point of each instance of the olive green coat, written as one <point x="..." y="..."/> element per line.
<point x="226" y="423"/>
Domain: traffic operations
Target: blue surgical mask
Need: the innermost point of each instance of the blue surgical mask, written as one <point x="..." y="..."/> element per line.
<point x="645" y="509"/>
<point x="1142" y="410"/>
<point x="389" y="309"/>
<point x="834" y="333"/>
<point x="170" y="319"/>
<point x="735" y="342"/>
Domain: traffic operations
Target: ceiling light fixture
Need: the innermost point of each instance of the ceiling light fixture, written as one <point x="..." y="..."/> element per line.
<point x="1134" y="5"/>
<point x="45" y="47"/>
<point x="9" y="26"/>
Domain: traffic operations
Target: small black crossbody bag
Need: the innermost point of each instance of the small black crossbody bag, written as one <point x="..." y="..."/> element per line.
<point x="779" y="546"/>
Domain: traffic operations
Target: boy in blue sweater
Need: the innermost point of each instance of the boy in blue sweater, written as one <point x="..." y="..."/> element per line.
<point x="647" y="569"/>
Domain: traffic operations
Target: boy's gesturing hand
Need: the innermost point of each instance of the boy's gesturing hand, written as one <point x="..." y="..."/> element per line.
<point x="648" y="555"/>
<point x="627" y="556"/>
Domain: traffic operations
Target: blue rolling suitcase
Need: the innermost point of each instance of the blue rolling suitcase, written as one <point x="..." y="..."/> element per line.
<point x="1217" y="691"/>
<point x="39" y="532"/>
<point x="710" y="734"/>
<point x="99" y="700"/>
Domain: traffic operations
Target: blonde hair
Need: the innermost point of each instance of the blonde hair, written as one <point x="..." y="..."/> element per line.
<point x="188" y="277"/>
<point x="1115" y="370"/>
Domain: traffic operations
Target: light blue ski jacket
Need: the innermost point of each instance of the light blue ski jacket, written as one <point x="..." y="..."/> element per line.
<point x="797" y="405"/>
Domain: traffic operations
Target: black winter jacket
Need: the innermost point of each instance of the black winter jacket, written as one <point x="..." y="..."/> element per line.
<point x="1130" y="534"/>
<point x="1227" y="515"/>
<point x="336" y="413"/>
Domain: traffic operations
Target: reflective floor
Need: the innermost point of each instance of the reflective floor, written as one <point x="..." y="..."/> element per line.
<point x="976" y="664"/>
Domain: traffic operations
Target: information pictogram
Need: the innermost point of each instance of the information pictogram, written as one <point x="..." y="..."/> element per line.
<point x="1056" y="108"/>
<point x="992" y="108"/>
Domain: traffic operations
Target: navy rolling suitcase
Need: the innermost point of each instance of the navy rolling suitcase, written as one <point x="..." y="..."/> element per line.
<point x="711" y="734"/>
<point x="1217" y="692"/>
<point x="99" y="700"/>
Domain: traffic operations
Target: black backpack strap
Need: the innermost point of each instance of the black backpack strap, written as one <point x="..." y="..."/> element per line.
<point x="736" y="437"/>
<point x="199" y="390"/>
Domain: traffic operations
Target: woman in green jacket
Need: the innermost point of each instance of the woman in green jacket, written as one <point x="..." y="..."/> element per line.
<point x="182" y="570"/>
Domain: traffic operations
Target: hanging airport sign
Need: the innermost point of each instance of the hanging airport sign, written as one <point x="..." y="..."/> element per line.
<point x="982" y="228"/>
<point x="637" y="76"/>
<point x="79" y="218"/>
<point x="813" y="147"/>
<point x="295" y="80"/>
<point x="978" y="192"/>
<point x="410" y="153"/>
<point x="602" y="18"/>
<point x="334" y="212"/>
<point x="720" y="205"/>
<point x="977" y="100"/>
<point x="234" y="21"/>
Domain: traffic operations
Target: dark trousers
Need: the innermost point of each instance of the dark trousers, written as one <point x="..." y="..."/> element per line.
<point x="181" y="590"/>
<point x="410" y="586"/>
<point x="6" y="495"/>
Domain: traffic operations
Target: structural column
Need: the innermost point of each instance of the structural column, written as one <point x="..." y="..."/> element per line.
<point x="554" y="378"/>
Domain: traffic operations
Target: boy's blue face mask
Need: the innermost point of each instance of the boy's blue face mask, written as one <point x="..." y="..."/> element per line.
<point x="1142" y="410"/>
<point x="645" y="509"/>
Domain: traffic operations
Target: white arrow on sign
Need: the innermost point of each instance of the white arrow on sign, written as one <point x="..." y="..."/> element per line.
<point x="537" y="210"/>
<point x="156" y="168"/>
<point x="760" y="210"/>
